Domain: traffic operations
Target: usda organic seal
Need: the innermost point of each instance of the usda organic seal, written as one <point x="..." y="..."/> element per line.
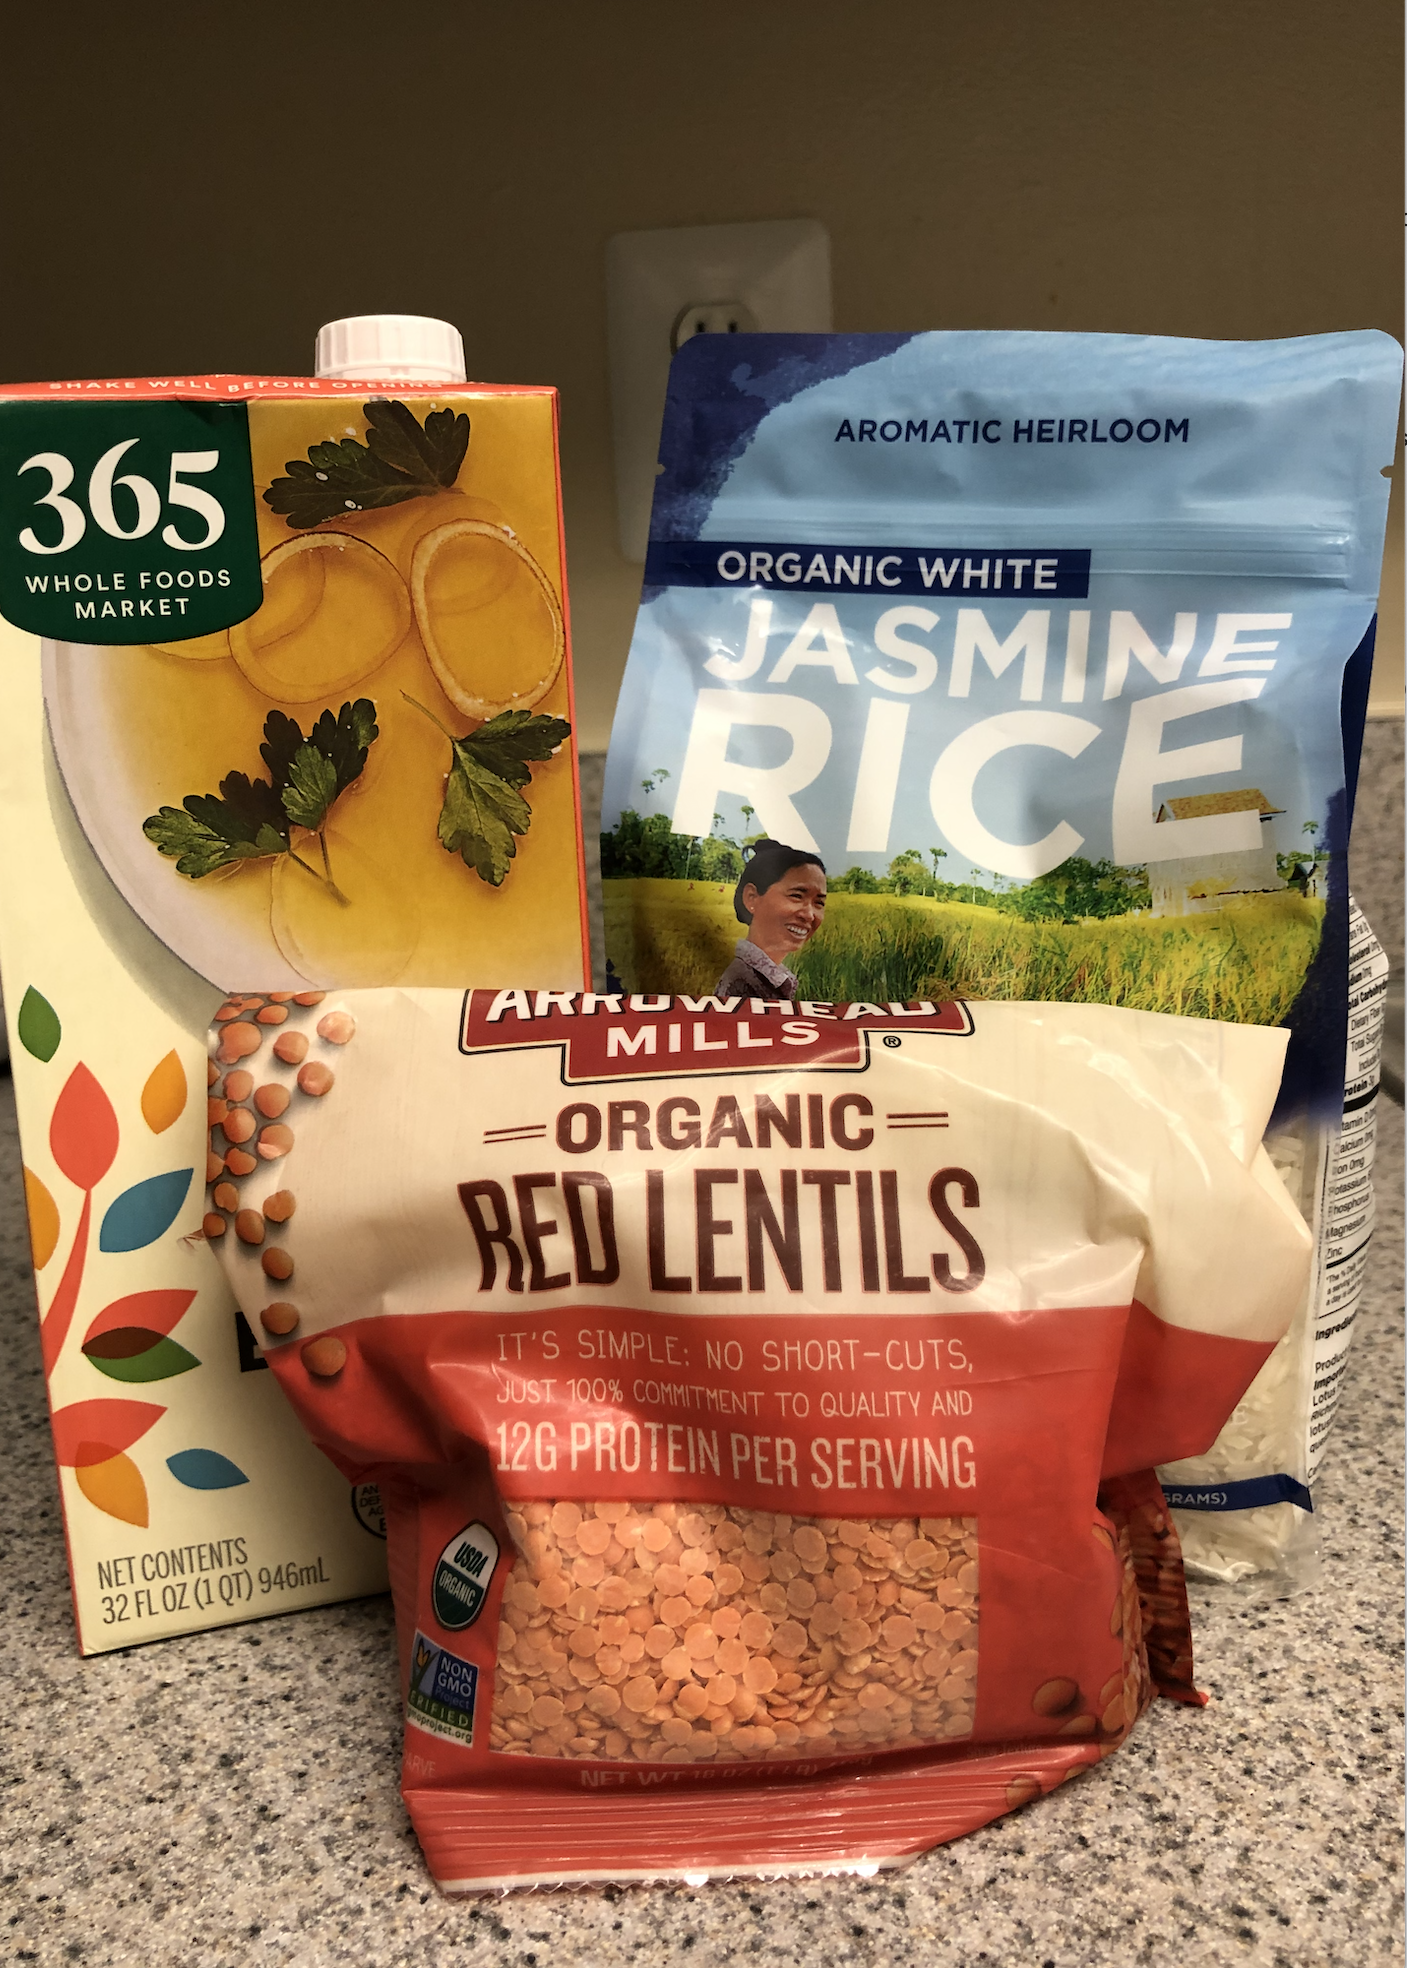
<point x="462" y="1577"/>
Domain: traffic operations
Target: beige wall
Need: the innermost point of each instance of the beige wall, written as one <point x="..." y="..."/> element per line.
<point x="202" y="199"/>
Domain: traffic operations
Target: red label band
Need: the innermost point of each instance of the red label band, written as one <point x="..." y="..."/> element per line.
<point x="831" y="1415"/>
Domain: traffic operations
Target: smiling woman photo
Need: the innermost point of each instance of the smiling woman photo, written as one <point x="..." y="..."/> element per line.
<point x="781" y="897"/>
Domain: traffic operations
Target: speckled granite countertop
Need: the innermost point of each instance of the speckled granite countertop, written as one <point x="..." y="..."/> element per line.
<point x="231" y="1797"/>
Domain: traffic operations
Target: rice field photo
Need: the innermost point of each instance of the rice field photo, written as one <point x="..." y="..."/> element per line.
<point x="1244" y="962"/>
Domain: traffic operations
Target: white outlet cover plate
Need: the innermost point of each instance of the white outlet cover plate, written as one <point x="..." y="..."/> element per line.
<point x="779" y="270"/>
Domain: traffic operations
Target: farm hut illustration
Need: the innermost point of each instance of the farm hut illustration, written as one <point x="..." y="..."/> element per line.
<point x="1189" y="885"/>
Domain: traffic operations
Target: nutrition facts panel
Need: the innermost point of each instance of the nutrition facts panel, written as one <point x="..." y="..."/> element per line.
<point x="1346" y="1197"/>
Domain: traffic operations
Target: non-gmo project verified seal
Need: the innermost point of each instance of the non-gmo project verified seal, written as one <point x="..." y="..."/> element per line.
<point x="442" y="1691"/>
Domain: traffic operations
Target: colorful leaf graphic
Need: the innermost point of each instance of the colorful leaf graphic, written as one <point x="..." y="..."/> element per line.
<point x="115" y="1485"/>
<point x="142" y="1213"/>
<point x="89" y="1431"/>
<point x="203" y="1469"/>
<point x="83" y="1131"/>
<point x="151" y="1311"/>
<point x="164" y="1095"/>
<point x="121" y="1343"/>
<point x="38" y="1026"/>
<point x="129" y="1353"/>
<point x="43" y="1220"/>
<point x="53" y="1328"/>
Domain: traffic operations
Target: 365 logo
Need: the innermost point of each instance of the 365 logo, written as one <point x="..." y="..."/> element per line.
<point x="127" y="522"/>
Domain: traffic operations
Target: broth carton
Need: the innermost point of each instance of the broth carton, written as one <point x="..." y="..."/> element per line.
<point x="288" y="695"/>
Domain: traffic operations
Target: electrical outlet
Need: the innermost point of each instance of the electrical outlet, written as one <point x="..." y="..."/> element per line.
<point x="712" y="318"/>
<point x="662" y="288"/>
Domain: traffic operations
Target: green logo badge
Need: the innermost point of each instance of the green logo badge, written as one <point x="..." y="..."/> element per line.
<point x="443" y="1691"/>
<point x="126" y="522"/>
<point x="461" y="1581"/>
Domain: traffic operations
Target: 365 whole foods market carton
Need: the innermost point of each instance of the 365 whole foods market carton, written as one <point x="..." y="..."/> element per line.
<point x="287" y="702"/>
<point x="1033" y="666"/>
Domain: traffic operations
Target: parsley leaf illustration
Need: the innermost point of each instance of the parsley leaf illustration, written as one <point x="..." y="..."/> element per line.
<point x="282" y="738"/>
<point x="250" y="819"/>
<point x="244" y="822"/>
<point x="334" y="480"/>
<point x="401" y="459"/>
<point x="248" y="807"/>
<point x="346" y="739"/>
<point x="508" y="742"/>
<point x="210" y="834"/>
<point x="311" y="788"/>
<point x="480" y="817"/>
<point x="431" y="454"/>
<point x="484" y="814"/>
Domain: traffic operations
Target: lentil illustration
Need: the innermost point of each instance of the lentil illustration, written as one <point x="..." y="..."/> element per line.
<point x="249" y="1124"/>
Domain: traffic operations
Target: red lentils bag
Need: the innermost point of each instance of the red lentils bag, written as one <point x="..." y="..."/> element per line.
<point x="764" y="1396"/>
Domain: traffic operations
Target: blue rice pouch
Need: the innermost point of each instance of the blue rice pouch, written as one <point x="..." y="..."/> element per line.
<point x="1020" y="665"/>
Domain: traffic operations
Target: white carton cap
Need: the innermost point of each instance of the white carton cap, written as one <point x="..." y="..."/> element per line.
<point x="390" y="347"/>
